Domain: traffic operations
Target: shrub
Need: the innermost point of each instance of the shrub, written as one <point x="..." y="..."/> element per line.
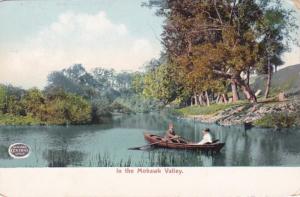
<point x="277" y="120"/>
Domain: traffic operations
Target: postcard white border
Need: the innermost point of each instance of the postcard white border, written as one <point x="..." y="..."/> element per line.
<point x="210" y="181"/>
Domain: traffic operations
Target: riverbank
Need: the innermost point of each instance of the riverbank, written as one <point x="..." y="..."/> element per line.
<point x="268" y="114"/>
<point x="17" y="120"/>
<point x="8" y="119"/>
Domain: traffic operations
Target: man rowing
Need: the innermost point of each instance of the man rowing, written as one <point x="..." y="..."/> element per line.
<point x="171" y="132"/>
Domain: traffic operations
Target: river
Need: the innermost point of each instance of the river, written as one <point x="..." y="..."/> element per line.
<point x="107" y="144"/>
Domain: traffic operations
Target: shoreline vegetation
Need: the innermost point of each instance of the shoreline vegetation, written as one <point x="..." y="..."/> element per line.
<point x="57" y="106"/>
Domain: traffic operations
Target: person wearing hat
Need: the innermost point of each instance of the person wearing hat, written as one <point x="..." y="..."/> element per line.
<point x="206" y="137"/>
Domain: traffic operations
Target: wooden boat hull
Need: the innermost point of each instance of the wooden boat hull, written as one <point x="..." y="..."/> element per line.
<point x="178" y="144"/>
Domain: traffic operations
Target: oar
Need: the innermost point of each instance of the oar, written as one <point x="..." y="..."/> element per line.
<point x="141" y="147"/>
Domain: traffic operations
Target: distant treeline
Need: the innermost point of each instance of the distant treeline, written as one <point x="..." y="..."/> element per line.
<point x="74" y="96"/>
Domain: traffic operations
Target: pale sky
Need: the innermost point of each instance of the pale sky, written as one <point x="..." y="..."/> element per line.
<point x="40" y="36"/>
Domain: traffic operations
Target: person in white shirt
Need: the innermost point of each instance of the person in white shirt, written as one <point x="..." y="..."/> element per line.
<point x="206" y="137"/>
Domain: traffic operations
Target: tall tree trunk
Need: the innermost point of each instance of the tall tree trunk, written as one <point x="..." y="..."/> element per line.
<point x="192" y="100"/>
<point x="201" y="99"/>
<point x="207" y="98"/>
<point x="237" y="78"/>
<point x="225" y="98"/>
<point x="235" y="94"/>
<point x="268" y="84"/>
<point x="196" y="99"/>
<point x="218" y="98"/>
<point x="246" y="89"/>
<point x="204" y="98"/>
<point x="248" y="77"/>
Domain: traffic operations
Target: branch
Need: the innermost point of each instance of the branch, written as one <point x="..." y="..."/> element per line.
<point x="215" y="5"/>
<point x="222" y="74"/>
<point x="232" y="12"/>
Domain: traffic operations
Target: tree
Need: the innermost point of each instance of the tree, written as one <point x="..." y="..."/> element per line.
<point x="158" y="84"/>
<point x="192" y="26"/>
<point x="123" y="82"/>
<point x="104" y="77"/>
<point x="214" y="38"/>
<point x="57" y="79"/>
<point x="137" y="84"/>
<point x="74" y="79"/>
<point x="275" y="34"/>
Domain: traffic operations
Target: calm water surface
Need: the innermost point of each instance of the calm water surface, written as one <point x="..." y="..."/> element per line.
<point x="107" y="145"/>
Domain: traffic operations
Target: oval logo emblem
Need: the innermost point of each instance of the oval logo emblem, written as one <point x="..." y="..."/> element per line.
<point x="19" y="150"/>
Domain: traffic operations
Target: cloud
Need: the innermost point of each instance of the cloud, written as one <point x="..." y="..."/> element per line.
<point x="291" y="58"/>
<point x="93" y="40"/>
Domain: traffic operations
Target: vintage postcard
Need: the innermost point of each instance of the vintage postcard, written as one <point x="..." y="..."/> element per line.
<point x="147" y="89"/>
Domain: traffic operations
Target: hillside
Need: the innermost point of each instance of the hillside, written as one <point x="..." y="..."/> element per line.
<point x="286" y="79"/>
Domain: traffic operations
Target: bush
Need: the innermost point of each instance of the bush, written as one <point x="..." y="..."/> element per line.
<point x="277" y="120"/>
<point x="9" y="119"/>
<point x="67" y="109"/>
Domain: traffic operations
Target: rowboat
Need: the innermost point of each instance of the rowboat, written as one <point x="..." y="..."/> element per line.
<point x="181" y="143"/>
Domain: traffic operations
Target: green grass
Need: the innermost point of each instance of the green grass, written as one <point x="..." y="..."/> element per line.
<point x="277" y="120"/>
<point x="8" y="119"/>
<point x="205" y="110"/>
<point x="287" y="85"/>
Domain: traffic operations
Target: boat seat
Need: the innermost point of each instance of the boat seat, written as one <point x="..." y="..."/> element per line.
<point x="215" y="141"/>
<point x="178" y="141"/>
<point x="182" y="141"/>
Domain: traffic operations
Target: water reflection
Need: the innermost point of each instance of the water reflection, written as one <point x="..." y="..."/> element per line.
<point x="63" y="158"/>
<point x="107" y="144"/>
<point x="4" y="152"/>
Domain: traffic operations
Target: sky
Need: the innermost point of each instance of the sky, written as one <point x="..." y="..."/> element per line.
<point x="38" y="37"/>
<point x="41" y="36"/>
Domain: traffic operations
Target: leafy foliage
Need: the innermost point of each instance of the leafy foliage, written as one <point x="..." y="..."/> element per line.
<point x="211" y="43"/>
<point x="36" y="107"/>
<point x="277" y="120"/>
<point x="158" y="84"/>
<point x="67" y="109"/>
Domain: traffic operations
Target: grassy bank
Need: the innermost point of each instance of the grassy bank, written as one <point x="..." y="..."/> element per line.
<point x="263" y="114"/>
<point x="204" y="110"/>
